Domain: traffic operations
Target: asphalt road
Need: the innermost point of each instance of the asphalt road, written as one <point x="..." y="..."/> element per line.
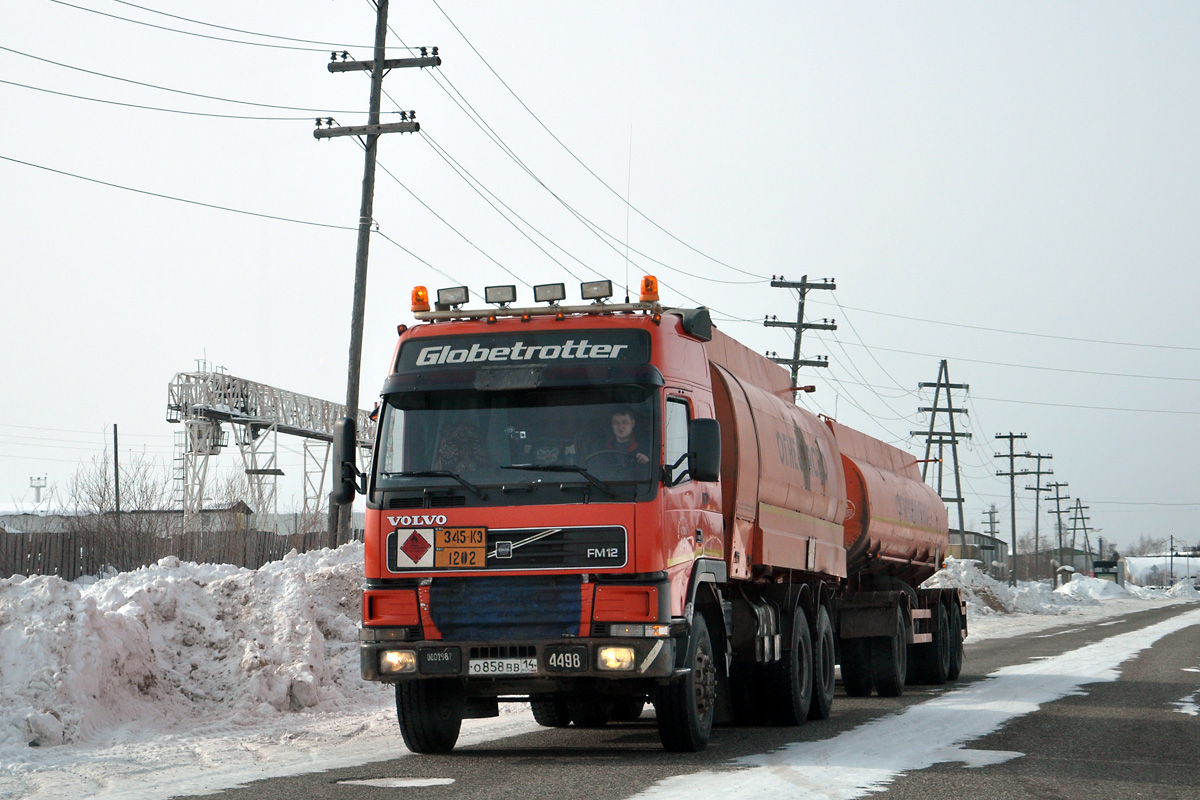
<point x="1117" y="740"/>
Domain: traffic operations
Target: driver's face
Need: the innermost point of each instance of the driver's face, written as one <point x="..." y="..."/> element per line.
<point x="622" y="425"/>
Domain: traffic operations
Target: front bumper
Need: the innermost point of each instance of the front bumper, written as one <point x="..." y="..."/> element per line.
<point x="532" y="661"/>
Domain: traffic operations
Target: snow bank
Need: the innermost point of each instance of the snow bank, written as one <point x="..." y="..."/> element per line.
<point x="988" y="597"/>
<point x="180" y="645"/>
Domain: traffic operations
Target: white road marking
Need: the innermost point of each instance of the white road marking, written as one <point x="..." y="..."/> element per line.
<point x="400" y="783"/>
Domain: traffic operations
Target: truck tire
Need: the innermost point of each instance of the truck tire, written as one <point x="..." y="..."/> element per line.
<point x="430" y="713"/>
<point x="628" y="709"/>
<point x="684" y="707"/>
<point x="590" y="713"/>
<point x="823" y="660"/>
<point x="550" y="712"/>
<point x="857" y="675"/>
<point x="929" y="662"/>
<point x="956" y="641"/>
<point x="889" y="660"/>
<point x="789" y="681"/>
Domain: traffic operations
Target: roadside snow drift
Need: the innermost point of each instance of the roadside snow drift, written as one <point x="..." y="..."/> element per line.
<point x="176" y="644"/>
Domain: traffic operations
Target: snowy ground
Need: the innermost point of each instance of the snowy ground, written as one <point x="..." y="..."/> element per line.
<point x="184" y="678"/>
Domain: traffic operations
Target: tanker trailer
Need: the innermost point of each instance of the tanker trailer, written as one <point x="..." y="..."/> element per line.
<point x="890" y="631"/>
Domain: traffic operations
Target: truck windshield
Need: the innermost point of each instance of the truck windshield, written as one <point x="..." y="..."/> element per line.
<point x="549" y="445"/>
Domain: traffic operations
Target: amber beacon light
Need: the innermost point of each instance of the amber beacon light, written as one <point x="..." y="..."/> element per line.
<point x="649" y="289"/>
<point x="420" y="298"/>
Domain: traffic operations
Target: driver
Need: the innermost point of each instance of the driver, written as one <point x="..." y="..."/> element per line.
<point x="622" y="438"/>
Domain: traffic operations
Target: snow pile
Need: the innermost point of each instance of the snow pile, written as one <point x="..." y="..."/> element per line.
<point x="1085" y="588"/>
<point x="180" y="645"/>
<point x="1183" y="589"/>
<point x="987" y="596"/>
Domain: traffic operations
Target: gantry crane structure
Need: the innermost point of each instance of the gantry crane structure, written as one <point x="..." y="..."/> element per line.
<point x="207" y="400"/>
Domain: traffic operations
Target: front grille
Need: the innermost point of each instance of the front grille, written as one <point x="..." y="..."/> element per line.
<point x="428" y="501"/>
<point x="495" y="608"/>
<point x="536" y="548"/>
<point x="505" y="651"/>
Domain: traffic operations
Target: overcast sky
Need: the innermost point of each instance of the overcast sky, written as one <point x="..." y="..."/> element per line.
<point x="1012" y="187"/>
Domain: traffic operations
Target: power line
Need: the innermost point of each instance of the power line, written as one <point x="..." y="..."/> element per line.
<point x="320" y="111"/>
<point x="153" y="108"/>
<point x="239" y="30"/>
<point x="579" y="160"/>
<point x="1024" y="333"/>
<point x="180" y="199"/>
<point x="190" y="33"/>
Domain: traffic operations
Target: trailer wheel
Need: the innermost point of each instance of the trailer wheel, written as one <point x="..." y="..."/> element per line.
<point x="790" y="681"/>
<point x="684" y="707"/>
<point x="955" y="641"/>
<point x="430" y="713"/>
<point x="857" y="675"/>
<point x="822" y="692"/>
<point x="590" y="713"/>
<point x="628" y="709"/>
<point x="550" y="713"/>
<point x="889" y="660"/>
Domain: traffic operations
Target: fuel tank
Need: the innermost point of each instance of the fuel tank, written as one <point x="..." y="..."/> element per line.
<point x="895" y="524"/>
<point x="783" y="487"/>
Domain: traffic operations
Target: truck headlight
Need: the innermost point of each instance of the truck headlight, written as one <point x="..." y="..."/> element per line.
<point x="615" y="658"/>
<point x="393" y="661"/>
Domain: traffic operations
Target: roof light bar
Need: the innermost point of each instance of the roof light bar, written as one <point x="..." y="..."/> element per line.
<point x="596" y="290"/>
<point x="453" y="297"/>
<point x="549" y="292"/>
<point x="500" y="295"/>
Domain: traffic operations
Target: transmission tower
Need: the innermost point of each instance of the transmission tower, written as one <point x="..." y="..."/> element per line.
<point x="941" y="438"/>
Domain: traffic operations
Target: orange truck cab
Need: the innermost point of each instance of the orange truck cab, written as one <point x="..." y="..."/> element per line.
<point x="591" y="508"/>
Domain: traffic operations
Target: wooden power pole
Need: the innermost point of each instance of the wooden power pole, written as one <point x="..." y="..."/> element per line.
<point x="339" y="516"/>
<point x="1012" y="495"/>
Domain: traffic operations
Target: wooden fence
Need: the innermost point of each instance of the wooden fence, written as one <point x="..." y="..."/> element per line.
<point x="74" y="554"/>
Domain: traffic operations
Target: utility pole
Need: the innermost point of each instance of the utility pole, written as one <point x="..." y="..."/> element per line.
<point x="992" y="522"/>
<point x="1058" y="512"/>
<point x="1037" y="506"/>
<point x="339" y="516"/>
<point x="1012" y="495"/>
<point x="943" y="437"/>
<point x="800" y="326"/>
<point x="117" y="475"/>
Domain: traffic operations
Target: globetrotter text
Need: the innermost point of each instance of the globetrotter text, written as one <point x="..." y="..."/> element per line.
<point x="447" y="354"/>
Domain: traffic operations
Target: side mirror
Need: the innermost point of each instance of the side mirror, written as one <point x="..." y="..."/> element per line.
<point x="345" y="473"/>
<point x="704" y="450"/>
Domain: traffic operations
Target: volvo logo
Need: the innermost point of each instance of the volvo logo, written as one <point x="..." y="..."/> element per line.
<point x="420" y="520"/>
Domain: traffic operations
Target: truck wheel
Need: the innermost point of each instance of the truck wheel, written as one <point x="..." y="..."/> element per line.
<point x="430" y="714"/>
<point x="857" y="676"/>
<point x="956" y="641"/>
<point x="550" y="713"/>
<point x="889" y="660"/>
<point x="590" y="713"/>
<point x="684" y="707"/>
<point x="628" y="709"/>
<point x="938" y="654"/>
<point x="790" y="680"/>
<point x="822" y="692"/>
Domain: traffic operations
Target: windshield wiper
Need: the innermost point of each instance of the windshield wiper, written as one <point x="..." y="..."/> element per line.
<point x="438" y="473"/>
<point x="592" y="479"/>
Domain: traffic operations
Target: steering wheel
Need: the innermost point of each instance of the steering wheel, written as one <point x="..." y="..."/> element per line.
<point x="608" y="458"/>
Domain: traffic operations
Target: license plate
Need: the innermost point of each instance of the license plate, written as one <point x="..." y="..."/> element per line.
<point x="460" y="548"/>
<point x="502" y="666"/>
<point x="566" y="658"/>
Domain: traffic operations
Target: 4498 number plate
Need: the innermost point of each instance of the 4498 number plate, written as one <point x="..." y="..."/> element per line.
<point x="565" y="658"/>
